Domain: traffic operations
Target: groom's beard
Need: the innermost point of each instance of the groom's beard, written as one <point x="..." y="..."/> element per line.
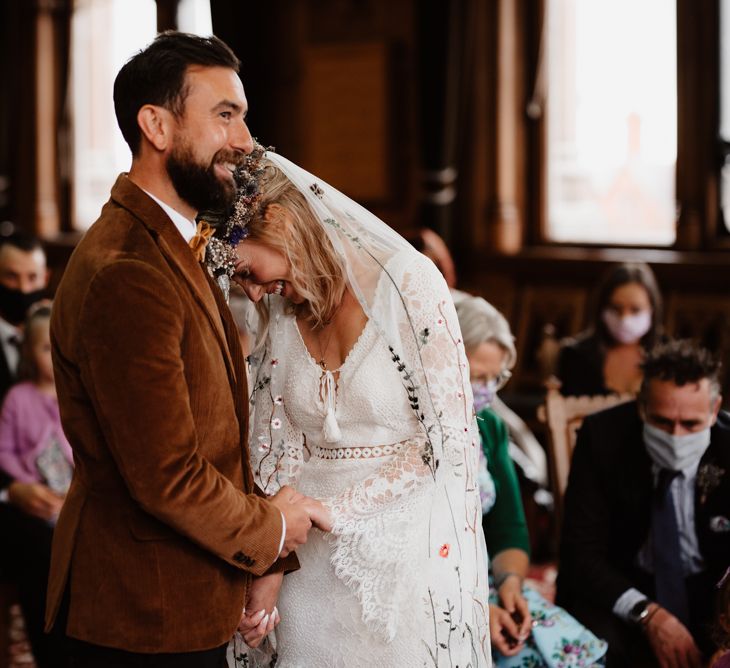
<point x="199" y="185"/>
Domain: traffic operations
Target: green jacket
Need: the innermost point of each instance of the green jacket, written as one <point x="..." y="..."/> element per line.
<point x="504" y="525"/>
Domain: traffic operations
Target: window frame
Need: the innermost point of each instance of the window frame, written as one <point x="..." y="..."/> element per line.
<point x="699" y="150"/>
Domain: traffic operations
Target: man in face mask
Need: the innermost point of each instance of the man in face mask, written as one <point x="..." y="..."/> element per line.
<point x="646" y="530"/>
<point x="23" y="280"/>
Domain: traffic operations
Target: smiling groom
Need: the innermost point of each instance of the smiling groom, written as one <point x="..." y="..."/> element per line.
<point x="163" y="537"/>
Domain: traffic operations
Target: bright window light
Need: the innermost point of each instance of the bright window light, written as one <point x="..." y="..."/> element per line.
<point x="611" y="121"/>
<point x="105" y="33"/>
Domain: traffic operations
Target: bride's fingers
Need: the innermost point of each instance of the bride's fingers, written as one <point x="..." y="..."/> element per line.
<point x="272" y="623"/>
<point x="250" y="622"/>
<point x="319" y="514"/>
<point x="254" y="637"/>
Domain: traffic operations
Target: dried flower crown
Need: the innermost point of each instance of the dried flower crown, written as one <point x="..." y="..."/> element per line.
<point x="231" y="226"/>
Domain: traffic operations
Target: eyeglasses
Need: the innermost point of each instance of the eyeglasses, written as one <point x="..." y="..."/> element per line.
<point x="500" y="380"/>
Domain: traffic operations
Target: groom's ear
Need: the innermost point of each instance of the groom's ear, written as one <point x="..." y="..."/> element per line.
<point x="156" y="124"/>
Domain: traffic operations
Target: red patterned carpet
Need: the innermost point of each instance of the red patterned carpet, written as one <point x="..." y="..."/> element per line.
<point x="541" y="577"/>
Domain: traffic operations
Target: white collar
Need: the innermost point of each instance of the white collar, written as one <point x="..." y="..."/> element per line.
<point x="8" y="331"/>
<point x="689" y="472"/>
<point x="184" y="225"/>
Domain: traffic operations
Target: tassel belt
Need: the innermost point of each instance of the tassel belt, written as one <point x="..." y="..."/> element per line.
<point x="364" y="452"/>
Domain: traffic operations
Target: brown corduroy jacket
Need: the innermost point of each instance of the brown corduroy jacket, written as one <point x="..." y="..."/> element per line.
<point x="163" y="527"/>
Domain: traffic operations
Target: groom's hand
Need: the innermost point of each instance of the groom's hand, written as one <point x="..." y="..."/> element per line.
<point x="298" y="521"/>
<point x="318" y="513"/>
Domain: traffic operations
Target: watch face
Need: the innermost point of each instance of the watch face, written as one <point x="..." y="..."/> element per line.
<point x="639" y="610"/>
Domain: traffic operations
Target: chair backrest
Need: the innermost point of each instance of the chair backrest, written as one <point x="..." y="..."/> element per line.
<point x="564" y="416"/>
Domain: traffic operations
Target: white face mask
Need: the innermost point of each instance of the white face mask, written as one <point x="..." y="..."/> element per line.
<point x="677" y="453"/>
<point x="629" y="328"/>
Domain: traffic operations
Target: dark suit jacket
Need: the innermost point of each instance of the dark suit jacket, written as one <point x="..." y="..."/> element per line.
<point x="608" y="506"/>
<point x="162" y="528"/>
<point x="580" y="366"/>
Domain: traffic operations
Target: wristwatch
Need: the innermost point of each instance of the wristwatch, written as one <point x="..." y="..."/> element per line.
<point x="640" y="611"/>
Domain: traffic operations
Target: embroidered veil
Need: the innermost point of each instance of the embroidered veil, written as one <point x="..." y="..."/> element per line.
<point x="426" y="493"/>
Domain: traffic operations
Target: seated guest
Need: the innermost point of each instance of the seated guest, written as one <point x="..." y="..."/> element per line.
<point x="627" y="317"/>
<point x="23" y="280"/>
<point x="513" y="610"/>
<point x="646" y="528"/>
<point x="34" y="454"/>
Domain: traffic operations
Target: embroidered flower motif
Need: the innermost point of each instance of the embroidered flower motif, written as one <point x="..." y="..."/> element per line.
<point x="276" y="423"/>
<point x="264" y="447"/>
<point x="317" y="190"/>
<point x="573" y="653"/>
<point x="278" y="400"/>
<point x="444" y="550"/>
<point x="540" y="618"/>
<point x="274" y="362"/>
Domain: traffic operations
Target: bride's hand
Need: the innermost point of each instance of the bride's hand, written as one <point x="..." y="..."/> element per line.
<point x="319" y="514"/>
<point x="260" y="615"/>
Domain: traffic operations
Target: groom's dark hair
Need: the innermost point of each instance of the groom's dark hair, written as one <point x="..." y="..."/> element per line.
<point x="156" y="75"/>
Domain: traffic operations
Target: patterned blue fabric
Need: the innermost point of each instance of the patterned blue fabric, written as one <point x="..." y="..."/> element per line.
<point x="557" y="639"/>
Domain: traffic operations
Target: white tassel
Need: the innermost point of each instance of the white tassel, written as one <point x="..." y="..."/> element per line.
<point x="331" y="430"/>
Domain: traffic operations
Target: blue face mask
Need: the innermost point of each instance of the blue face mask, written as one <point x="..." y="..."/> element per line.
<point x="484" y="393"/>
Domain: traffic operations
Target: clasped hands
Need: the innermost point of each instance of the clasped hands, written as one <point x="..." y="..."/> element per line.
<point x="510" y="624"/>
<point x="35" y="499"/>
<point x="301" y="513"/>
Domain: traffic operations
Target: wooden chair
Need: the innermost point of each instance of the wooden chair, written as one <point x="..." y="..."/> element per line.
<point x="564" y="416"/>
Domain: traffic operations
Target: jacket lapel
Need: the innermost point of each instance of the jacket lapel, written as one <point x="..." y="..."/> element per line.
<point x="240" y="387"/>
<point x="176" y="252"/>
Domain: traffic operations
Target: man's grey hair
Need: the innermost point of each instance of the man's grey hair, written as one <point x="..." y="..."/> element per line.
<point x="481" y="322"/>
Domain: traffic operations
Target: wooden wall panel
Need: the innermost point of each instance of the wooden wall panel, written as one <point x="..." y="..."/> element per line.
<point x="346" y="103"/>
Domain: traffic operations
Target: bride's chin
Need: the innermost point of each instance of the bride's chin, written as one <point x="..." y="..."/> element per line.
<point x="293" y="297"/>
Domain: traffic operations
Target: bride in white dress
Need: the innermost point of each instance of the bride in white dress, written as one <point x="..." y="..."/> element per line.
<point x="361" y="399"/>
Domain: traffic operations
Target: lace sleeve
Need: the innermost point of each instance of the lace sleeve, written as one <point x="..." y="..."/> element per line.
<point x="378" y="522"/>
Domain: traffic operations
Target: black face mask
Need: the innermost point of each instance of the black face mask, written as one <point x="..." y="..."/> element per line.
<point x="14" y="304"/>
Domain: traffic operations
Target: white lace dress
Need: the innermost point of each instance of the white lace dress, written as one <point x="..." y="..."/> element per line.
<point x="401" y="581"/>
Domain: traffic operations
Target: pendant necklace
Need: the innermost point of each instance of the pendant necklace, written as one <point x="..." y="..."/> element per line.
<point x="323" y="351"/>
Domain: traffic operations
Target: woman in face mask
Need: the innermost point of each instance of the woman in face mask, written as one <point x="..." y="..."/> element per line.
<point x="525" y="629"/>
<point x="627" y="317"/>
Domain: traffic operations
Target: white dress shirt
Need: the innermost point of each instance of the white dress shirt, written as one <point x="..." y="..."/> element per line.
<point x="188" y="229"/>
<point x="11" y="351"/>
<point x="184" y="225"/>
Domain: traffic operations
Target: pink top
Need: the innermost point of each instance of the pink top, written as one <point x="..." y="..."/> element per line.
<point x="28" y="422"/>
<point x="722" y="661"/>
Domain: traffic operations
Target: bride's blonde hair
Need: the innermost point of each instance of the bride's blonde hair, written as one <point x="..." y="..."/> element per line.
<point x="286" y="222"/>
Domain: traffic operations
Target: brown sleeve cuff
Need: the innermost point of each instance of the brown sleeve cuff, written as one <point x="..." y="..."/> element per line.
<point x="285" y="564"/>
